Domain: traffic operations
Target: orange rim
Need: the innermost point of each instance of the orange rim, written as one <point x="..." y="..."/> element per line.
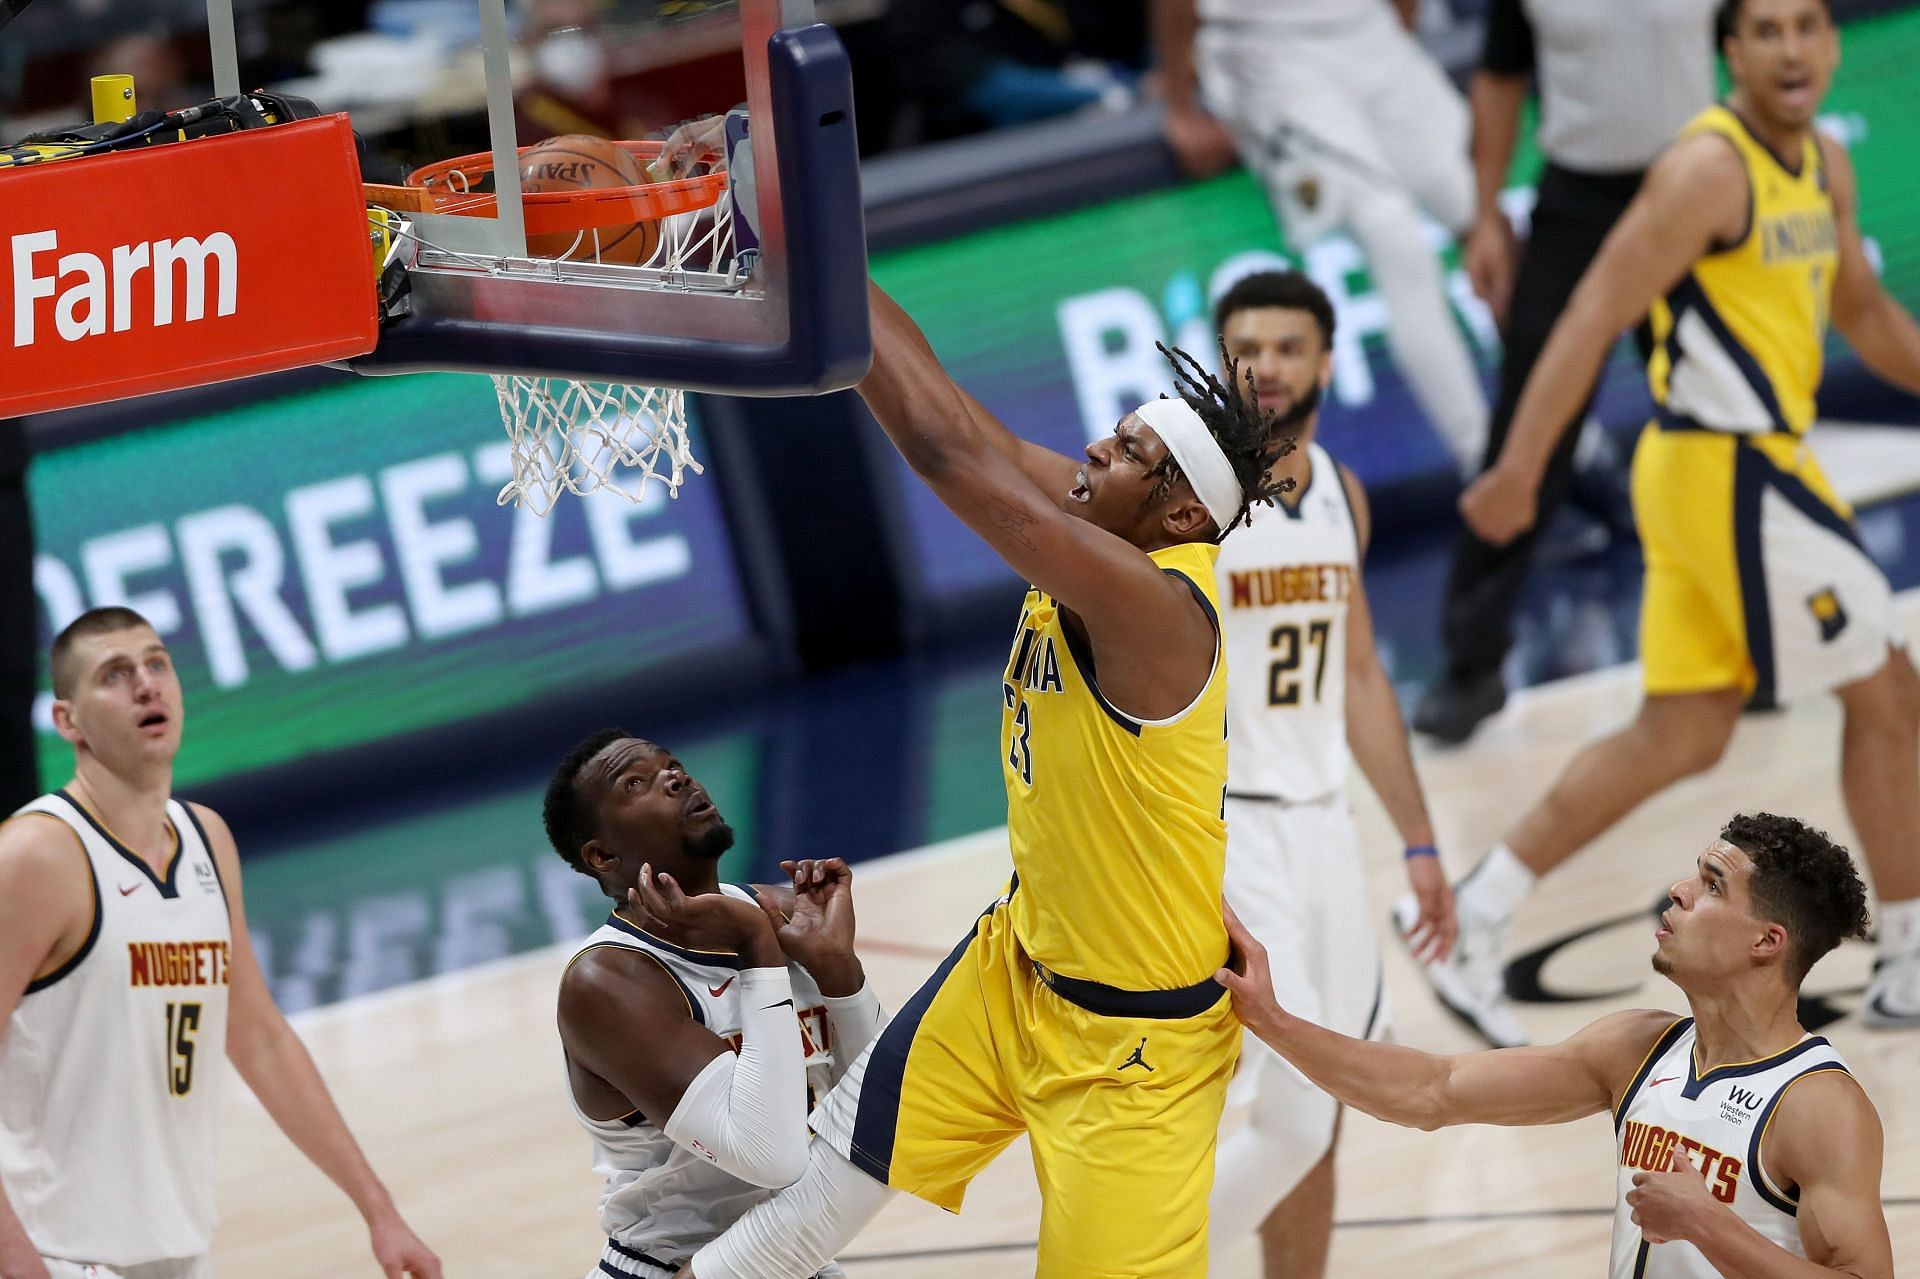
<point x="449" y="183"/>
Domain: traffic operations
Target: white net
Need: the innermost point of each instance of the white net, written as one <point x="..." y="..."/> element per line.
<point x="586" y="437"/>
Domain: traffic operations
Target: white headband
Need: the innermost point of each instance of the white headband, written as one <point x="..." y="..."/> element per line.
<point x="1199" y="456"/>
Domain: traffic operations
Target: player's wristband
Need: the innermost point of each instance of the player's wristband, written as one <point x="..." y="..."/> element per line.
<point x="1420" y="850"/>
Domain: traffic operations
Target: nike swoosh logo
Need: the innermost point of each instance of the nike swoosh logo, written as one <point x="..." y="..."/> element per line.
<point x="785" y="1003"/>
<point x="721" y="989"/>
<point x="1664" y="1079"/>
<point x="130" y="888"/>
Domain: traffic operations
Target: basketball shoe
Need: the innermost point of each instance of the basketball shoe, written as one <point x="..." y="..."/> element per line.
<point x="1470" y="982"/>
<point x="1893" y="994"/>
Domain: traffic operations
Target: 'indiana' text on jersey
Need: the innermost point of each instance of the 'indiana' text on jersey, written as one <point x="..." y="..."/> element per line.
<point x="1738" y="341"/>
<point x="1118" y="843"/>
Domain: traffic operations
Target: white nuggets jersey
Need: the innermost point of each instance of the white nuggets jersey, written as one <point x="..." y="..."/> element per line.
<point x="111" y="1066"/>
<point x="662" y="1200"/>
<point x="1718" y="1121"/>
<point x="1286" y="578"/>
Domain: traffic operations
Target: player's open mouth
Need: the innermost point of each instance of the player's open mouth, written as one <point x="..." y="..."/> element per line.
<point x="1080" y="492"/>
<point x="698" y="806"/>
<point x="1665" y="929"/>
<point x="154" y="719"/>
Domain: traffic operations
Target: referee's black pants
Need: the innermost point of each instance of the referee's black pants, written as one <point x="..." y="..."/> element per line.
<point x="1571" y="217"/>
<point x="19" y="645"/>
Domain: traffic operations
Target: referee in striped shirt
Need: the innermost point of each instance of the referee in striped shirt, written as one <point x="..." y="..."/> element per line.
<point x="1617" y="79"/>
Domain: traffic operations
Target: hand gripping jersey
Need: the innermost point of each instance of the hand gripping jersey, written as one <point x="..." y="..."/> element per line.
<point x="1718" y="1121"/>
<point x="662" y="1201"/>
<point x="111" y="1066"/>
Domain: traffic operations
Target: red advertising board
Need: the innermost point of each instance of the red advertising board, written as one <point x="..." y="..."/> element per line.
<point x="183" y="264"/>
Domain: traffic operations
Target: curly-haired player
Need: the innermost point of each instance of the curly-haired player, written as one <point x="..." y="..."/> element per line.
<point x="1742" y="1144"/>
<point x="1081" y="1008"/>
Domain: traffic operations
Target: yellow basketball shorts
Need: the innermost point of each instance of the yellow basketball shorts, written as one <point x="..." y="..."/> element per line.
<point x="1122" y="1108"/>
<point x="1755" y="575"/>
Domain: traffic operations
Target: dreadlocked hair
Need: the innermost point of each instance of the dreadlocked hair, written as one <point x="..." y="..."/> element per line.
<point x="1231" y="410"/>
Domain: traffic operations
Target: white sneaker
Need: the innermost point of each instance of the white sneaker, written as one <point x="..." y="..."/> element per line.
<point x="1893" y="995"/>
<point x="1471" y="983"/>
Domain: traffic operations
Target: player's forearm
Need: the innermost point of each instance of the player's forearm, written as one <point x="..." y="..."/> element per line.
<point x="1174" y="24"/>
<point x="1887" y="340"/>
<point x="1378" y="739"/>
<point x="277" y="1067"/>
<point x="1387" y="1081"/>
<point x="910" y="394"/>
<point x="1557" y="388"/>
<point x="1496" y="101"/>
<point x="1733" y="1247"/>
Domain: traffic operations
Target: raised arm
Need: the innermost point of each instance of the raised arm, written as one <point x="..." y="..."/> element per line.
<point x="1878" y="327"/>
<point x="267" y="1054"/>
<point x="1511" y="1086"/>
<point x="1377" y="736"/>
<point x="625" y="1021"/>
<point x="1825" y="1139"/>
<point x="1131" y="609"/>
<point x="1051" y="472"/>
<point x="1694" y="198"/>
<point x="46" y="911"/>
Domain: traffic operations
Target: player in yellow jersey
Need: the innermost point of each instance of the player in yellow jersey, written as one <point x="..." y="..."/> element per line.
<point x="1081" y="1008"/>
<point x="1744" y="245"/>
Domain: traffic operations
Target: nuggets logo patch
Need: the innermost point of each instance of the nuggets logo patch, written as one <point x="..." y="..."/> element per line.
<point x="1826" y="610"/>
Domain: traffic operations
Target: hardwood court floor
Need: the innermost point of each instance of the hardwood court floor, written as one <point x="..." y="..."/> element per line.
<point x="454" y="1085"/>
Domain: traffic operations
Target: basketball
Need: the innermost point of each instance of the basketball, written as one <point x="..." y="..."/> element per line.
<point x="575" y="162"/>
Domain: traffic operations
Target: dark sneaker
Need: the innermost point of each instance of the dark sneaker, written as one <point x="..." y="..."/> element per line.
<point x="1456" y="704"/>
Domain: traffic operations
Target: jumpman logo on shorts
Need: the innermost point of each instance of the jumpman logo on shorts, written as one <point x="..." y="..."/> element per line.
<point x="1138" y="1059"/>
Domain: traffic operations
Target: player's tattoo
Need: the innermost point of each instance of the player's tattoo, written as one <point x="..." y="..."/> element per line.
<point x="1013" y="521"/>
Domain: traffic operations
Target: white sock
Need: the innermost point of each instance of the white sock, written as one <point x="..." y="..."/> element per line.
<point x="1896" y="925"/>
<point x="1497" y="886"/>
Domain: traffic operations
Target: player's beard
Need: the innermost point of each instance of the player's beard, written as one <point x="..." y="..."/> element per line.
<point x="710" y="844"/>
<point x="1299" y="411"/>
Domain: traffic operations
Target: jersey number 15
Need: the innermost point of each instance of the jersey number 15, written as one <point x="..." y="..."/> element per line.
<point x="183" y="1023"/>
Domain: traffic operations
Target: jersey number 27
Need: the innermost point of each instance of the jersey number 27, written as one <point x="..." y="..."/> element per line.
<point x="1284" y="679"/>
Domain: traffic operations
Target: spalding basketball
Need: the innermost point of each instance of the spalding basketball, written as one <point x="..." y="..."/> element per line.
<point x="575" y="162"/>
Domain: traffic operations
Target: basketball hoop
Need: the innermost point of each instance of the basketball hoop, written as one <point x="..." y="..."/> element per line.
<point x="587" y="437"/>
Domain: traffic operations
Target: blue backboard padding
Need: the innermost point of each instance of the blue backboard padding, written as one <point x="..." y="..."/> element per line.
<point x="827" y="346"/>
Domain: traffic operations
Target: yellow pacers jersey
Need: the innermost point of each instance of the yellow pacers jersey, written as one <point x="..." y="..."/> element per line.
<point x="1737" y="343"/>
<point x="1118" y="839"/>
